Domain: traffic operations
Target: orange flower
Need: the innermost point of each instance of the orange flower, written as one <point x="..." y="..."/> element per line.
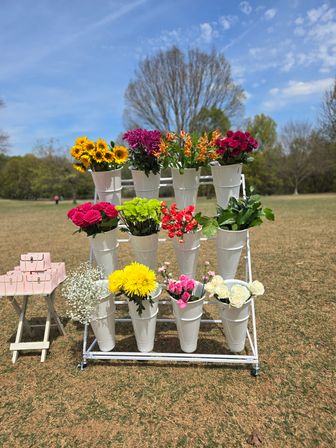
<point x="203" y="146"/>
<point x="163" y="147"/>
<point x="187" y="145"/>
<point x="182" y="134"/>
<point x="170" y="136"/>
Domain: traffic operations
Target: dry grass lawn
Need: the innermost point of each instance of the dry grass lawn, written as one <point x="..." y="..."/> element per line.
<point x="118" y="404"/>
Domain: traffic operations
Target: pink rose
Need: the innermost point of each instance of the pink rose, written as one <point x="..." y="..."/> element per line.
<point x="181" y="304"/>
<point x="92" y="217"/>
<point x="71" y="212"/>
<point x="178" y="288"/>
<point x="190" y="285"/>
<point x="171" y="286"/>
<point x="185" y="296"/>
<point x="101" y="205"/>
<point x="85" y="207"/>
<point x="111" y="211"/>
<point x="78" y="219"/>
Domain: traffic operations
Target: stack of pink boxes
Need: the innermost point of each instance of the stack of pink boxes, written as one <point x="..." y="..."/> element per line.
<point x="35" y="275"/>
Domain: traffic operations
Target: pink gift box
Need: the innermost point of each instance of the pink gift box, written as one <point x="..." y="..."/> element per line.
<point x="59" y="268"/>
<point x="40" y="282"/>
<point x="35" y="262"/>
<point x="12" y="284"/>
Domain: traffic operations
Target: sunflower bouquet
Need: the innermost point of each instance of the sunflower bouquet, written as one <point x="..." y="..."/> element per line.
<point x="141" y="216"/>
<point x="97" y="156"/>
<point x="184" y="150"/>
<point x="136" y="281"/>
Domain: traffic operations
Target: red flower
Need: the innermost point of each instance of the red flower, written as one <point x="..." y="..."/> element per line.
<point x="111" y="211"/>
<point x="78" y="219"/>
<point x="101" y="205"/>
<point x="71" y="212"/>
<point x="92" y="217"/>
<point x="85" y="207"/>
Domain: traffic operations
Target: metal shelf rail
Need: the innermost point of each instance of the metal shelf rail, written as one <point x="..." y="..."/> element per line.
<point x="250" y="358"/>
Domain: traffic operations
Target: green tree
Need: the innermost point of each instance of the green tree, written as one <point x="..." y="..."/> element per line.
<point x="4" y="139"/>
<point x="209" y="120"/>
<point x="264" y="129"/>
<point x="328" y="114"/>
<point x="17" y="177"/>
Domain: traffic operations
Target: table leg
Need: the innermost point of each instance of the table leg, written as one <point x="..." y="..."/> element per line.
<point x="47" y="328"/>
<point x="18" y="310"/>
<point x="55" y="315"/>
<point x="20" y="328"/>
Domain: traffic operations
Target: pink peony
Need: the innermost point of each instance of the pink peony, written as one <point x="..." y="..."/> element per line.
<point x="171" y="286"/>
<point x="178" y="288"/>
<point x="78" y="219"/>
<point x="190" y="285"/>
<point x="92" y="217"/>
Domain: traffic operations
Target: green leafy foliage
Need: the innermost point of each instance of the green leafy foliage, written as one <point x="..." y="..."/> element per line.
<point x="240" y="214"/>
<point x="141" y="217"/>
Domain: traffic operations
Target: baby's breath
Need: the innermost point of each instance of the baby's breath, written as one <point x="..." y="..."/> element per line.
<point x="82" y="292"/>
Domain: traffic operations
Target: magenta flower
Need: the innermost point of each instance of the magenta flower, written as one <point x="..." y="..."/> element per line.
<point x="181" y="304"/>
<point x="143" y="140"/>
<point x="185" y="296"/>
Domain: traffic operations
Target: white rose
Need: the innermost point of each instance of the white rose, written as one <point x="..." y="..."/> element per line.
<point x="256" y="288"/>
<point x="238" y="295"/>
<point x="210" y="288"/>
<point x="222" y="292"/>
<point x="217" y="280"/>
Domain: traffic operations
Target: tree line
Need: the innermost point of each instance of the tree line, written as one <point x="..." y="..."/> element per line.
<point x="195" y="92"/>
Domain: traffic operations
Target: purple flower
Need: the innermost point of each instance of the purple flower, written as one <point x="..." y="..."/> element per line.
<point x="143" y="140"/>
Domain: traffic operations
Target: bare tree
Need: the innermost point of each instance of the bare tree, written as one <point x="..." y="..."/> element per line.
<point x="328" y="113"/>
<point x="4" y="138"/>
<point x="171" y="88"/>
<point x="296" y="140"/>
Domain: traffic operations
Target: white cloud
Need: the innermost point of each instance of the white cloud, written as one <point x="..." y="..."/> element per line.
<point x="301" y="88"/>
<point x="315" y="14"/>
<point x="299" y="31"/>
<point x="299" y="21"/>
<point x="207" y="32"/>
<point x="227" y="21"/>
<point x="270" y="14"/>
<point x="245" y="7"/>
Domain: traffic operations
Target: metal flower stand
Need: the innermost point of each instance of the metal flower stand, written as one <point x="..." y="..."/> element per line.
<point x="91" y="351"/>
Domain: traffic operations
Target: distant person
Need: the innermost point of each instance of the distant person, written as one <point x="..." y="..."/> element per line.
<point x="56" y="199"/>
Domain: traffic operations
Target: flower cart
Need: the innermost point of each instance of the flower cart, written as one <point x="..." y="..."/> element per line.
<point x="251" y="357"/>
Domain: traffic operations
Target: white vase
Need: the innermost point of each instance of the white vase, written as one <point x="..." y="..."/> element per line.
<point x="105" y="250"/>
<point x="146" y="186"/>
<point x="187" y="252"/>
<point x="235" y="320"/>
<point x="145" y="249"/>
<point x="188" y="320"/>
<point x="144" y="325"/>
<point x="185" y="186"/>
<point x="229" y="245"/>
<point x="108" y="185"/>
<point x="226" y="180"/>
<point x="102" y="320"/>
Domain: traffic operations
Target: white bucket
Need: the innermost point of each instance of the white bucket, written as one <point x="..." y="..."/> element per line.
<point x="105" y="249"/>
<point x="235" y="320"/>
<point x="108" y="185"/>
<point x="145" y="249"/>
<point x="144" y="326"/>
<point x="229" y="245"/>
<point x="187" y="252"/>
<point x="226" y="180"/>
<point x="185" y="186"/>
<point x="188" y="321"/>
<point x="146" y="186"/>
<point x="102" y="320"/>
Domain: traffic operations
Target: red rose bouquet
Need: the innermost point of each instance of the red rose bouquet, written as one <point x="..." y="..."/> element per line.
<point x="178" y="222"/>
<point x="235" y="147"/>
<point x="94" y="218"/>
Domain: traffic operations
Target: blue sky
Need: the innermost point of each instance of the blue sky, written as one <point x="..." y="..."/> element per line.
<point x="65" y="65"/>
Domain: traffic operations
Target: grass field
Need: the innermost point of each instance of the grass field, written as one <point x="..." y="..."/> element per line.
<point x="291" y="403"/>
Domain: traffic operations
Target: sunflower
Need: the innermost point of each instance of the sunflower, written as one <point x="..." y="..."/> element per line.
<point x="139" y="280"/>
<point x="86" y="160"/>
<point x="81" y="140"/>
<point x="120" y="154"/>
<point x="79" y="167"/>
<point x="109" y="157"/>
<point x="101" y="144"/>
<point x="116" y="281"/>
<point x="76" y="152"/>
<point x="98" y="155"/>
<point x="89" y="146"/>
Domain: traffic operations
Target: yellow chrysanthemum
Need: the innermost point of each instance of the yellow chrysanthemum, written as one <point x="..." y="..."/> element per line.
<point x="76" y="152"/>
<point x="81" y="140"/>
<point x="89" y="146"/>
<point x="139" y="280"/>
<point x="109" y="157"/>
<point x="116" y="281"/>
<point x="86" y="160"/>
<point x="120" y="154"/>
<point x="98" y="155"/>
<point x="79" y="167"/>
<point x="101" y="144"/>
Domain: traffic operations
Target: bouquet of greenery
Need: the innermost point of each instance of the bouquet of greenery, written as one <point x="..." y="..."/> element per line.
<point x="183" y="150"/>
<point x="144" y="150"/>
<point x="237" y="296"/>
<point x="97" y="156"/>
<point x="141" y="217"/>
<point x="82" y="292"/>
<point x="136" y="281"/>
<point x="240" y="214"/>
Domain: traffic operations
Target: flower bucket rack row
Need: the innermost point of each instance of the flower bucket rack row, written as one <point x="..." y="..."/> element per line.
<point x="91" y="351"/>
